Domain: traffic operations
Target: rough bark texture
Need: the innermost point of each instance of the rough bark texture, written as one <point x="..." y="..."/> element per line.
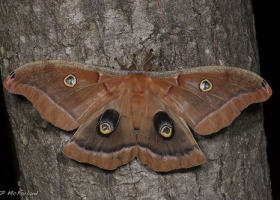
<point x="183" y="34"/>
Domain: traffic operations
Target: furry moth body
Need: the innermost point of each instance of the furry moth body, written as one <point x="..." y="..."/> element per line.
<point x="107" y="106"/>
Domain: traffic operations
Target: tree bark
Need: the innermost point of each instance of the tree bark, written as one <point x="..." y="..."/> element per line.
<point x="183" y="34"/>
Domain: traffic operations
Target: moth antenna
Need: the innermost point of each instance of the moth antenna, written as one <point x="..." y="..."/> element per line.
<point x="148" y="64"/>
<point x="133" y="65"/>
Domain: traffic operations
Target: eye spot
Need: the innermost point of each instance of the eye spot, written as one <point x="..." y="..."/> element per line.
<point x="70" y="80"/>
<point x="108" y="122"/>
<point x="205" y="85"/>
<point x="12" y="75"/>
<point x="105" y="128"/>
<point x="163" y="125"/>
<point x="166" y="131"/>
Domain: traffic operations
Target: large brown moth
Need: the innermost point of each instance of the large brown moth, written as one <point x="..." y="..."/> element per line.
<point x="107" y="106"/>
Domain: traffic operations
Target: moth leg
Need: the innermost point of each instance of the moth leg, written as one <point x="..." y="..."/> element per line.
<point x="148" y="64"/>
<point x="133" y="63"/>
<point x="122" y="66"/>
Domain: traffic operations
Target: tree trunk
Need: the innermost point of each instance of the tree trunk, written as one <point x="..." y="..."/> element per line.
<point x="183" y="34"/>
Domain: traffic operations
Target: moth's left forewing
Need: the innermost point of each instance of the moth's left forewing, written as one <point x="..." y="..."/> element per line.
<point x="210" y="98"/>
<point x="64" y="92"/>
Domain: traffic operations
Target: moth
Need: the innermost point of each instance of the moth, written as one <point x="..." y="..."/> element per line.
<point x="107" y="106"/>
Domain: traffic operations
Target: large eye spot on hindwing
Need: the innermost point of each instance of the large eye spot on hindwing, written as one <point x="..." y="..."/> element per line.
<point x="163" y="125"/>
<point x="108" y="122"/>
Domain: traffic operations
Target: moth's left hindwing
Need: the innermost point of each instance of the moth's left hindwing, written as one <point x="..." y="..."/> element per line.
<point x="107" y="138"/>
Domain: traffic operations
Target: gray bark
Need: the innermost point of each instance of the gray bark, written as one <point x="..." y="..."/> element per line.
<point x="183" y="34"/>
